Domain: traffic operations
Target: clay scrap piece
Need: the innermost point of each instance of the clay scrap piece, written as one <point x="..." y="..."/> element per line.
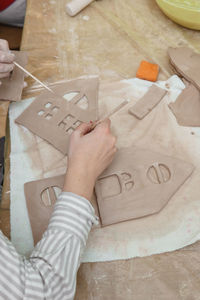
<point x="138" y="183"/>
<point x="186" y="63"/>
<point x="187" y="107"/>
<point x="41" y="196"/>
<point x="147" y="102"/>
<point x="53" y="118"/>
<point x="11" y="87"/>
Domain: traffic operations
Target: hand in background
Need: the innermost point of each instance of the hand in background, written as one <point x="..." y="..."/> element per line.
<point x="90" y="152"/>
<point x="6" y="59"/>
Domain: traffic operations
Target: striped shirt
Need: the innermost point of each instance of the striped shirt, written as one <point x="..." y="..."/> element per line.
<point x="50" y="272"/>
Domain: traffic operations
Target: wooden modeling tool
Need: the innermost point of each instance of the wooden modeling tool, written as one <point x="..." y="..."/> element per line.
<point x="116" y="109"/>
<point x="75" y="6"/>
<point x="32" y="76"/>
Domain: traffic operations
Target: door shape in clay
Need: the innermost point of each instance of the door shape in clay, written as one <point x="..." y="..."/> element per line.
<point x="54" y="116"/>
<point x="41" y="196"/>
<point x="138" y="183"/>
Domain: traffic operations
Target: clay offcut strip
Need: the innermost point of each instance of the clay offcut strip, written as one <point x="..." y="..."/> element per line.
<point x="186" y="63"/>
<point x="147" y="102"/>
<point x="187" y="107"/>
<point x="11" y="87"/>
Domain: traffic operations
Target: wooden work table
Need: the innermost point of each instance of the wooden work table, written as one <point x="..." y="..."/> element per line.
<point x="110" y="38"/>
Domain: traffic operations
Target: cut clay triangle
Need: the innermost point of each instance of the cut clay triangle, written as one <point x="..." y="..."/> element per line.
<point x="54" y="118"/>
<point x="138" y="183"/>
<point x="41" y="196"/>
<point x="187" y="107"/>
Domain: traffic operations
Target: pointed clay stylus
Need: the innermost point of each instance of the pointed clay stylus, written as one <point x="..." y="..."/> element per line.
<point x="111" y="113"/>
<point x="35" y="78"/>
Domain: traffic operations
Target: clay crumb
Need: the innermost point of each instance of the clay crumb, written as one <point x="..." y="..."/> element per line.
<point x="86" y="18"/>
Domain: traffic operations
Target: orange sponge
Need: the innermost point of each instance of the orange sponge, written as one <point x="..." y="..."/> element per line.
<point x="148" y="71"/>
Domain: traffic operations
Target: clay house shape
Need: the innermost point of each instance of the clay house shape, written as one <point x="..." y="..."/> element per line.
<point x="54" y="116"/>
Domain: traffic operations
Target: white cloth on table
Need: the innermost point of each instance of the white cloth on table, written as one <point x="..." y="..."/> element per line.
<point x="176" y="226"/>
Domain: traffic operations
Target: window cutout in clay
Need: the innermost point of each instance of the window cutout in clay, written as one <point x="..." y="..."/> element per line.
<point x="83" y="103"/>
<point x="40" y="113"/>
<point x="49" y="196"/>
<point x="47" y="105"/>
<point x="48" y="116"/>
<point x="68" y="118"/>
<point x="77" y="123"/>
<point x="106" y="183"/>
<point x="55" y="109"/>
<point x="66" y="122"/>
<point x="158" y="173"/>
<point x="70" y="96"/>
<point x="129" y="185"/>
<point x="70" y="130"/>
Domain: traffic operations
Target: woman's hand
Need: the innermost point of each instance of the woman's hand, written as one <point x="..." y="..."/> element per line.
<point x="90" y="152"/>
<point x="6" y="59"/>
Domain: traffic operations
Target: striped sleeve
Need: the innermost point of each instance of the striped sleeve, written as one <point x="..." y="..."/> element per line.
<point x="50" y="272"/>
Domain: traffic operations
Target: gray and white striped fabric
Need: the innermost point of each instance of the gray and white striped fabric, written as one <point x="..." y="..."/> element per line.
<point x="50" y="272"/>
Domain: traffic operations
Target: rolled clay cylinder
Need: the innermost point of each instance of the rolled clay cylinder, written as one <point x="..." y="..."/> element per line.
<point x="75" y="6"/>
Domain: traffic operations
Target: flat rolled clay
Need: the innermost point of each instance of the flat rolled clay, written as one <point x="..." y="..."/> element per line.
<point x="138" y="183"/>
<point x="54" y="118"/>
<point x="40" y="199"/>
<point x="187" y="107"/>
<point x="147" y="102"/>
<point x="12" y="86"/>
<point x="186" y="63"/>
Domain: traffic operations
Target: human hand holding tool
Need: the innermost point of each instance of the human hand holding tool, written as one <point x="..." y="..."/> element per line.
<point x="6" y="59"/>
<point x="90" y="152"/>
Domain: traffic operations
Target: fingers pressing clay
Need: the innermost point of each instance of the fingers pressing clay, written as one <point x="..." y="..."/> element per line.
<point x="83" y="129"/>
<point x="104" y="124"/>
<point x="6" y="57"/>
<point x="6" y="68"/>
<point x="12" y="83"/>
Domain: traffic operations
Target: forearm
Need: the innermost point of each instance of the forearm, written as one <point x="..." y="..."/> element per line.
<point x="81" y="184"/>
<point x="50" y="273"/>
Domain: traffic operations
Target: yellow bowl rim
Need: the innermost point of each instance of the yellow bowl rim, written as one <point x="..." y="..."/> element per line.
<point x="180" y="6"/>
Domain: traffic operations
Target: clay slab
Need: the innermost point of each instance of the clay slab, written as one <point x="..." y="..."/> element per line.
<point x="53" y="118"/>
<point x="138" y="183"/>
<point x="187" y="107"/>
<point x="147" y="102"/>
<point x="40" y="199"/>
<point x="187" y="63"/>
<point x="11" y="87"/>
